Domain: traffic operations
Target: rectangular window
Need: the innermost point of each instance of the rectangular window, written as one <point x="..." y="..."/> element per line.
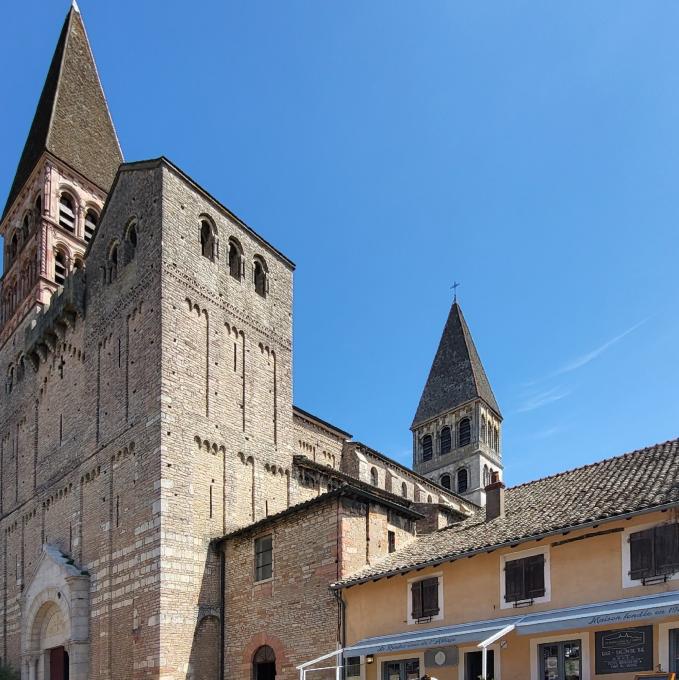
<point x="425" y="598"/>
<point x="525" y="579"/>
<point x="408" y="669"/>
<point x="263" y="558"/>
<point x="392" y="541"/>
<point x="352" y="667"/>
<point x="561" y="661"/>
<point x="654" y="552"/>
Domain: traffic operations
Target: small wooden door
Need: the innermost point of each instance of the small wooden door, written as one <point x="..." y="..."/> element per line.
<point x="58" y="664"/>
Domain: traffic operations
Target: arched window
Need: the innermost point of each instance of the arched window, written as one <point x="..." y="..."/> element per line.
<point x="66" y="212"/>
<point x="26" y="226"/>
<point x="60" y="268"/>
<point x="374" y="478"/>
<point x="464" y="432"/>
<point x="208" y="241"/>
<point x="13" y="247"/>
<point x="404" y="490"/>
<point x="10" y="379"/>
<point x="91" y="221"/>
<point x="131" y="241"/>
<point x="427" y="447"/>
<point x="483" y="428"/>
<point x="496" y="439"/>
<point x="446" y="442"/>
<point x="462" y="480"/>
<point x="235" y="259"/>
<point x="264" y="664"/>
<point x="78" y="263"/>
<point x="486" y="476"/>
<point x="113" y="263"/>
<point x="445" y="481"/>
<point x="260" y="276"/>
<point x="38" y="208"/>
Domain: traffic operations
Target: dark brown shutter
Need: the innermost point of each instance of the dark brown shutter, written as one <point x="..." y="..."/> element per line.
<point x="641" y="554"/>
<point x="430" y="597"/>
<point x="514" y="590"/>
<point x="666" y="549"/>
<point x="416" y="590"/>
<point x="535" y="576"/>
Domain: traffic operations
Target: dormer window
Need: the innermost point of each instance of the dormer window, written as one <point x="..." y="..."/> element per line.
<point x="60" y="268"/>
<point x="67" y="213"/>
<point x="260" y="277"/>
<point x="464" y="432"/>
<point x="91" y="221"/>
<point x="235" y="259"/>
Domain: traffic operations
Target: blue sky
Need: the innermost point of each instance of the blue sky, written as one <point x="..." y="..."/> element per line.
<point x="526" y="149"/>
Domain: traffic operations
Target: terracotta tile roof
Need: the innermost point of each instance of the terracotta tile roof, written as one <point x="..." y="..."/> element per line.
<point x="634" y="482"/>
<point x="457" y="375"/>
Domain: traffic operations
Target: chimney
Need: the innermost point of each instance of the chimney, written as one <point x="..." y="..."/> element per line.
<point x="495" y="498"/>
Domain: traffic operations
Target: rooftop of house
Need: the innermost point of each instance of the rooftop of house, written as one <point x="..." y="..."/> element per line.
<point x="633" y="483"/>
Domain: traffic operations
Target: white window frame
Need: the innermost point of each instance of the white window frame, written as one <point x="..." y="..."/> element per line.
<point x="583" y="636"/>
<point x="626" y="561"/>
<point x="362" y="657"/>
<point x="409" y="599"/>
<point x="664" y="642"/>
<point x="418" y="654"/>
<point x="461" y="666"/>
<point x="509" y="557"/>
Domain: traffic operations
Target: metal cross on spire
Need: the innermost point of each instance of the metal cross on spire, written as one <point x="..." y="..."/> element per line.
<point x="454" y="288"/>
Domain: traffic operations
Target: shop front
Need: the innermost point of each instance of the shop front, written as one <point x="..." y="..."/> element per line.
<point x="617" y="639"/>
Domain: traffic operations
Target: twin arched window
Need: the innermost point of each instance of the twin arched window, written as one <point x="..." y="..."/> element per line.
<point x="464" y="432"/>
<point x="427" y="447"/>
<point x="446" y="441"/>
<point x="91" y="221"/>
<point x="67" y="212"/>
<point x="60" y="267"/>
<point x="462" y="480"/>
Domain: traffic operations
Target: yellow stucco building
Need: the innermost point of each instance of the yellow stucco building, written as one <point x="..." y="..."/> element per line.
<point x="571" y="577"/>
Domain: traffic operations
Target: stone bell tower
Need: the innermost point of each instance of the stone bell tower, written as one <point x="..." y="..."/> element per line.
<point x="457" y="427"/>
<point x="65" y="171"/>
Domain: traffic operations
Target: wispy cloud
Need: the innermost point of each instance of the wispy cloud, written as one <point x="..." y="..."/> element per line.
<point x="588" y="357"/>
<point x="548" y="432"/>
<point x="540" y="399"/>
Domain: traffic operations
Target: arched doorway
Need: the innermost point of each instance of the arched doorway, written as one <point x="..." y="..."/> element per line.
<point x="264" y="664"/>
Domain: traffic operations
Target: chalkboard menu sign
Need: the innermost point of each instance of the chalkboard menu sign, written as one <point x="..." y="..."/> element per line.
<point x="624" y="651"/>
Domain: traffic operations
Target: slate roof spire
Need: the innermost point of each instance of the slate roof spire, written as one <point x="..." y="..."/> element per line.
<point x="72" y="121"/>
<point x="457" y="375"/>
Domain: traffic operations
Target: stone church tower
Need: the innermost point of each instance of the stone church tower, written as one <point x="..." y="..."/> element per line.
<point x="457" y="426"/>
<point x="67" y="166"/>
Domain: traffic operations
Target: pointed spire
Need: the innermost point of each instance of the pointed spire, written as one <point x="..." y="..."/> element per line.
<point x="457" y="375"/>
<point x="72" y="120"/>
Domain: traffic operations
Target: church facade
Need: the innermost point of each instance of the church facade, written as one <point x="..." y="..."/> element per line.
<point x="149" y="445"/>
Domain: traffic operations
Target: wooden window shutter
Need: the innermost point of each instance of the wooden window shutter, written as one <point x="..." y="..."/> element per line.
<point x="430" y="597"/>
<point x="666" y="549"/>
<point x="514" y="590"/>
<point x="416" y="594"/>
<point x="641" y="554"/>
<point x="535" y="576"/>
